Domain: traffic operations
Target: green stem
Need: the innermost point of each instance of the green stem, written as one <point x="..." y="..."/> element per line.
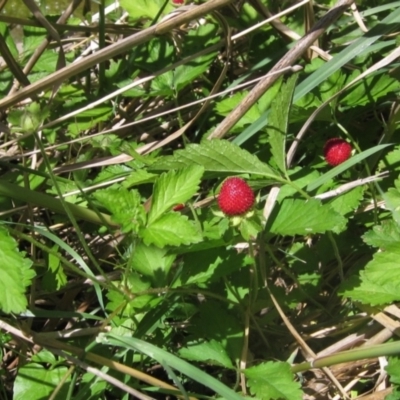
<point x="386" y="349"/>
<point x="43" y="200"/>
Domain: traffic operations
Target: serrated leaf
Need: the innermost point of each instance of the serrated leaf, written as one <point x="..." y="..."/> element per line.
<point x="55" y="277"/>
<point x="211" y="352"/>
<point x="347" y="202"/>
<point x="16" y="275"/>
<point x="390" y="161"/>
<point x="217" y="156"/>
<point x="125" y="206"/>
<point x="302" y="217"/>
<point x="344" y="166"/>
<point x="278" y="122"/>
<point x="174" y="187"/>
<point x="369" y="89"/>
<point x="171" y="229"/>
<point x="208" y="265"/>
<point x="250" y="228"/>
<point x="383" y="235"/>
<point x="187" y="73"/>
<point x="152" y="262"/>
<point x="392" y="201"/>
<point x="273" y="380"/>
<point x="379" y="282"/>
<point x="138" y="177"/>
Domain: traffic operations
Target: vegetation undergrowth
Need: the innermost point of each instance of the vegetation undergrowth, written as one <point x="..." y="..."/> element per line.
<point x="122" y="277"/>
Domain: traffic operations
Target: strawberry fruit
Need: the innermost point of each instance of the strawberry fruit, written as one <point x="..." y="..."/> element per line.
<point x="336" y="151"/>
<point x="235" y="197"/>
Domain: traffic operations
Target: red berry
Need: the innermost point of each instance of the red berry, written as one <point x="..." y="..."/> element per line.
<point x="178" y="207"/>
<point x="235" y="197"/>
<point x="336" y="151"/>
<point x="178" y="2"/>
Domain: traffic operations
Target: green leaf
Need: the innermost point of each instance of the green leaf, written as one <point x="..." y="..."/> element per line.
<point x="379" y="282"/>
<point x="273" y="380"/>
<point x="209" y="265"/>
<point x="145" y="8"/>
<point x="369" y="89"/>
<point x="211" y="352"/>
<point x="393" y="369"/>
<point x="303" y="217"/>
<point x="383" y="235"/>
<point x="139" y="177"/>
<point x="55" y="278"/>
<point x="152" y="262"/>
<point x="187" y="73"/>
<point x="171" y="229"/>
<point x="215" y="321"/>
<point x="278" y="122"/>
<point x="217" y="156"/>
<point x="174" y="187"/>
<point x="34" y="382"/>
<point x="163" y="85"/>
<point x="125" y="206"/>
<point x="225" y="106"/>
<point x="250" y="228"/>
<point x="172" y="361"/>
<point x="347" y="202"/>
<point x="344" y="166"/>
<point x="16" y="275"/>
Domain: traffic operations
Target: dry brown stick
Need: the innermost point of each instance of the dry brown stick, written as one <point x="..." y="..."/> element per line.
<point x="287" y="60"/>
<point x="112" y="51"/>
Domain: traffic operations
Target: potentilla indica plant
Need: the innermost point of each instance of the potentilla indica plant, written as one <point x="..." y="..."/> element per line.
<point x="172" y="228"/>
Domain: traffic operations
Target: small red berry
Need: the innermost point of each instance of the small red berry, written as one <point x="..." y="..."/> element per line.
<point x="178" y="2"/>
<point x="178" y="207"/>
<point x="336" y="151"/>
<point x="235" y="197"/>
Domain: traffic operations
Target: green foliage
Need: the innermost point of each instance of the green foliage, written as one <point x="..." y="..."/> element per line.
<point x="303" y="217"/>
<point x="92" y="174"/>
<point x="225" y="106"/>
<point x="378" y="281"/>
<point x="271" y="380"/>
<point x="125" y="207"/>
<point x="36" y="382"/>
<point x="146" y="8"/>
<point x="173" y="188"/>
<point x="217" y="156"/>
<point x="393" y="369"/>
<point x="17" y="274"/>
<point x="211" y="352"/>
<point x="278" y="122"/>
